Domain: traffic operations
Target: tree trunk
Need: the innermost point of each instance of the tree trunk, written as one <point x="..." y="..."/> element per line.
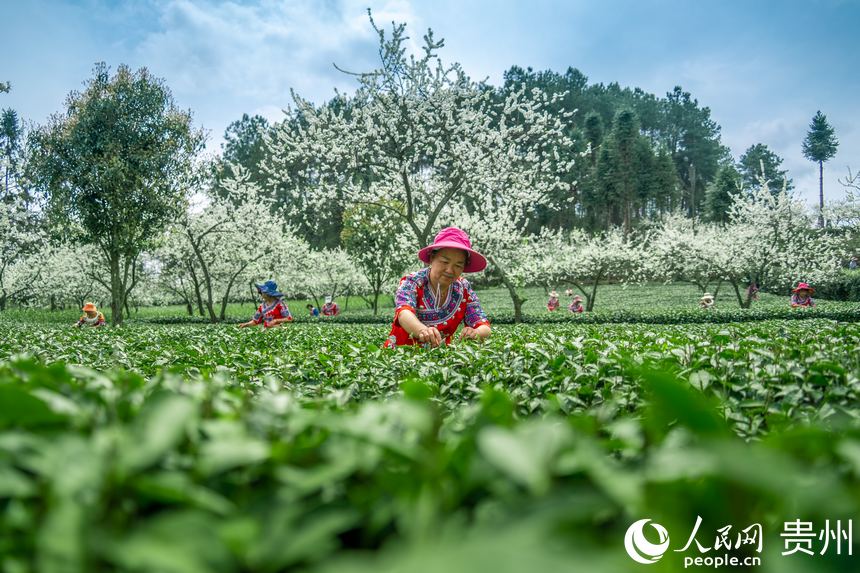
<point x="53" y="303"/>
<point x="2" y="303"/>
<point x="376" y="302"/>
<point x="197" y="294"/>
<point x="589" y="304"/>
<point x="744" y="302"/>
<point x="227" y="292"/>
<point x="117" y="290"/>
<point x="512" y="290"/>
<point x="627" y="217"/>
<point x="189" y="308"/>
<point x="821" y="194"/>
<point x="207" y="279"/>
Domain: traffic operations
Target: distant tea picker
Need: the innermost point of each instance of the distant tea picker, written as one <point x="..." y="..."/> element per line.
<point x="801" y="296"/>
<point x="273" y="311"/>
<point x="330" y="307"/>
<point x="91" y="317"/>
<point x="431" y="303"/>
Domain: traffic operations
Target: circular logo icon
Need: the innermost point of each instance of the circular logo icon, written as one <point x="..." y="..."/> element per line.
<point x="640" y="549"/>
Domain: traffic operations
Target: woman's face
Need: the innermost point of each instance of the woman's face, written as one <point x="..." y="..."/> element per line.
<point x="266" y="298"/>
<point x="446" y="265"/>
<point x="803" y="293"/>
<point x="91" y="313"/>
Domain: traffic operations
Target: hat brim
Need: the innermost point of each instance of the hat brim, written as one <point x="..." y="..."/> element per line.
<point x="810" y="289"/>
<point x="476" y="263"/>
<point x="266" y="292"/>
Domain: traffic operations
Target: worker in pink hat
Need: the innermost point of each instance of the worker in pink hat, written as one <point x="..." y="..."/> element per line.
<point x="431" y="303"/>
<point x="801" y="296"/>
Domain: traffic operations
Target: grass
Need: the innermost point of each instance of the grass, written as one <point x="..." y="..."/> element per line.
<point x="495" y="300"/>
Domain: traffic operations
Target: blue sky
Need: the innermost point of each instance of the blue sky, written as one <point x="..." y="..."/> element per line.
<point x="763" y="67"/>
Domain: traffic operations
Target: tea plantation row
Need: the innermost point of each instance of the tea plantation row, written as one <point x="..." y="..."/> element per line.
<point x="193" y="449"/>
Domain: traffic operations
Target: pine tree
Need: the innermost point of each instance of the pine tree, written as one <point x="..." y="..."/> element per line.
<point x="624" y="152"/>
<point x="10" y="148"/>
<point x="820" y="145"/>
<point x="719" y="195"/>
<point x="593" y="131"/>
<point x="750" y="168"/>
<point x="665" y="181"/>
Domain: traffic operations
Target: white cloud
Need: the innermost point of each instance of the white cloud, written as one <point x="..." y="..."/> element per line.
<point x="228" y="58"/>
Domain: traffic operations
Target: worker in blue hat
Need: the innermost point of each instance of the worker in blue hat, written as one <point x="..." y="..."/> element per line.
<point x="273" y="311"/>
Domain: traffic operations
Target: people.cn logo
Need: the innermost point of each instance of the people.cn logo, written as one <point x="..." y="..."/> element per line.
<point x="640" y="549"/>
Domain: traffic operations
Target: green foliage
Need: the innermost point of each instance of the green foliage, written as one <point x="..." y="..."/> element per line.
<point x="719" y="195"/>
<point x="310" y="448"/>
<point x="750" y="167"/>
<point x="675" y="125"/>
<point x="243" y="147"/>
<point x="693" y="139"/>
<point x="845" y="286"/>
<point x="112" y="167"/>
<point x="373" y="235"/>
<point x="820" y="143"/>
<point x="11" y="136"/>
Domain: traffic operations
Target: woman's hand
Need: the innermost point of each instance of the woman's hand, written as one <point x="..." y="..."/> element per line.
<point x="469" y="333"/>
<point x="480" y="333"/>
<point x="428" y="335"/>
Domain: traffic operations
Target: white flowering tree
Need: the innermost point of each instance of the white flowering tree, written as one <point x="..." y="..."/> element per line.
<point x="424" y="142"/>
<point x="587" y="261"/>
<point x="178" y="273"/>
<point x="73" y="274"/>
<point x="845" y="214"/>
<point x="498" y="229"/>
<point x="771" y="240"/>
<point x="20" y="241"/>
<point x="237" y="237"/>
<point x="684" y="249"/>
<point x="378" y="246"/>
<point x="328" y="272"/>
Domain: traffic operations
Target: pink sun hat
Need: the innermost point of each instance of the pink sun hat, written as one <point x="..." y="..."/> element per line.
<point x="454" y="238"/>
<point x="804" y="286"/>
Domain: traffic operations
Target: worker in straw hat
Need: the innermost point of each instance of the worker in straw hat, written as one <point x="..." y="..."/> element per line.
<point x="801" y="296"/>
<point x="330" y="307"/>
<point x="552" y="304"/>
<point x="575" y="305"/>
<point x="430" y="304"/>
<point x="707" y="301"/>
<point x="91" y="317"/>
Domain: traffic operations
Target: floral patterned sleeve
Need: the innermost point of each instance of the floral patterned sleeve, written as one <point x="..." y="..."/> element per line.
<point x="475" y="315"/>
<point x="285" y="311"/>
<point x="406" y="297"/>
<point x="258" y="316"/>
